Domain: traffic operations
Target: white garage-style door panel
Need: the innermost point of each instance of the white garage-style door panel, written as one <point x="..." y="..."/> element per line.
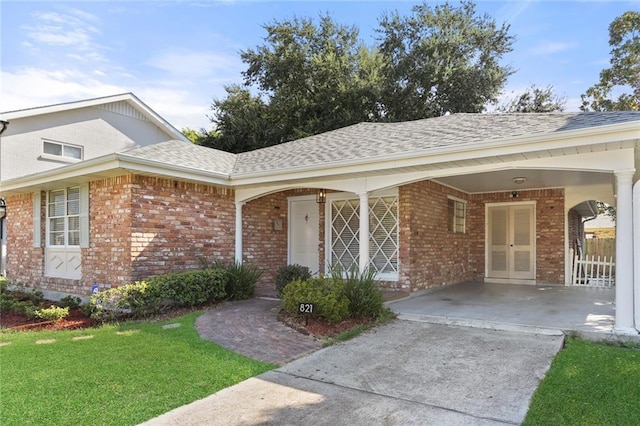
<point x="304" y="238"/>
<point x="511" y="241"/>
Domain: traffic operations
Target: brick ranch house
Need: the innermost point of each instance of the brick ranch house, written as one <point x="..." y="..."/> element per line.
<point x="493" y="197"/>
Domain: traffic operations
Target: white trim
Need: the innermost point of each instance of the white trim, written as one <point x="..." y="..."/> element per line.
<point x="37" y="221"/>
<point x="636" y="252"/>
<point x="624" y="252"/>
<point x="342" y="196"/>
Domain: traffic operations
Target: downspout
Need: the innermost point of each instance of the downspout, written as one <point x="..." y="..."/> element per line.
<point x="4" y="124"/>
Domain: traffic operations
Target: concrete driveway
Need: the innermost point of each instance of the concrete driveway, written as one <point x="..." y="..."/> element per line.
<point x="587" y="311"/>
<point x="401" y="373"/>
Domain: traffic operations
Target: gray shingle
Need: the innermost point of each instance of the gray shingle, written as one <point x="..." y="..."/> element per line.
<point x="370" y="140"/>
<point x="183" y="154"/>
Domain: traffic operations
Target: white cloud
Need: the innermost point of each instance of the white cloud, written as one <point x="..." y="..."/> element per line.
<point x="552" y="47"/>
<point x="197" y="64"/>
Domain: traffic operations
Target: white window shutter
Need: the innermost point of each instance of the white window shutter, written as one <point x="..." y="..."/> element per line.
<point x="84" y="216"/>
<point x="37" y="211"/>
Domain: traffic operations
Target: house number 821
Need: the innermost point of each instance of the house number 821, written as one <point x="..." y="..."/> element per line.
<point x="305" y="308"/>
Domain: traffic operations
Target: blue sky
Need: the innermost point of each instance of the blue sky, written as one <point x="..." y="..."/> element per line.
<point x="177" y="56"/>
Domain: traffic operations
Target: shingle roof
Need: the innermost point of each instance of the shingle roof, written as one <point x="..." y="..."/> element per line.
<point x="180" y="154"/>
<point x="370" y="140"/>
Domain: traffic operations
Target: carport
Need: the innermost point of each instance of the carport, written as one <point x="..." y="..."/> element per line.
<point x="511" y="306"/>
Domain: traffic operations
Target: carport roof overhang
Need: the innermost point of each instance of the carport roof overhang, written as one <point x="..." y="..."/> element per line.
<point x="487" y="155"/>
<point x="601" y="149"/>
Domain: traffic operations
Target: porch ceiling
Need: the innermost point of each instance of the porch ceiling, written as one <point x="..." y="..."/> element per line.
<point x="503" y="180"/>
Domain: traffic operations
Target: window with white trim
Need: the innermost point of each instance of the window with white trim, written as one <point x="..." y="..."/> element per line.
<point x="63" y="217"/>
<point x="456" y="212"/>
<point x="383" y="234"/>
<point x="62" y="150"/>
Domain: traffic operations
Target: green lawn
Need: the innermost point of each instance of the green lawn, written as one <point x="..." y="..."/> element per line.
<point x="589" y="384"/>
<point x="115" y="375"/>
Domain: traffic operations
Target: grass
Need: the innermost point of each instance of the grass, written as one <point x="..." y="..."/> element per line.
<point x="589" y="384"/>
<point x="120" y="375"/>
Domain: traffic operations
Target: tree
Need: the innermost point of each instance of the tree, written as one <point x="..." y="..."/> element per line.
<point x="440" y="60"/>
<point x="535" y="99"/>
<point x="624" y="73"/>
<point x="308" y="78"/>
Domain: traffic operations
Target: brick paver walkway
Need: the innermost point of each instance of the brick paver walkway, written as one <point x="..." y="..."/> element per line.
<point x="250" y="327"/>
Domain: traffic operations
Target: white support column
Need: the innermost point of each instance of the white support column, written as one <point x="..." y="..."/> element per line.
<point x="239" y="205"/>
<point x="624" y="253"/>
<point x="636" y="252"/>
<point x="364" y="232"/>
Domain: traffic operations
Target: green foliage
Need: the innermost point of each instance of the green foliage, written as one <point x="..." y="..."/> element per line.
<point x="138" y="299"/>
<point x="535" y="99"/>
<point x="365" y="297"/>
<point x="589" y="384"/>
<point x="240" y="279"/>
<point x="72" y="302"/>
<point x="289" y="273"/>
<point x="52" y="313"/>
<point x="22" y="301"/>
<point x="312" y="76"/>
<point x="190" y="288"/>
<point x="441" y="59"/>
<point x="325" y="293"/>
<point x="624" y="73"/>
<point x="116" y="377"/>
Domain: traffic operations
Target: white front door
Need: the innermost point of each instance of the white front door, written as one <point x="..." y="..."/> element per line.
<point x="304" y="236"/>
<point x="511" y="241"/>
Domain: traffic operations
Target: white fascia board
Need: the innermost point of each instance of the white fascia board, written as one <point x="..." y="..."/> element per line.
<point x="66" y="106"/>
<point x="105" y="165"/>
<point x="582" y="137"/>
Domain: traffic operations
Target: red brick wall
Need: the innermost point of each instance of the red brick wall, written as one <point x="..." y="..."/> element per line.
<point x="549" y="230"/>
<point x="576" y="230"/>
<point x="430" y="255"/>
<point x="25" y="263"/>
<point x="176" y="224"/>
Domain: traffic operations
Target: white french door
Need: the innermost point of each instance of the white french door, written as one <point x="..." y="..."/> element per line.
<point x="511" y="241"/>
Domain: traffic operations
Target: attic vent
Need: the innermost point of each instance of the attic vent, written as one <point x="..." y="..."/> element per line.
<point x="123" y="108"/>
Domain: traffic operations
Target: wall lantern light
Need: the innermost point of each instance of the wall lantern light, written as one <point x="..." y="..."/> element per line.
<point x="3" y="208"/>
<point x="519" y="180"/>
<point x="321" y="196"/>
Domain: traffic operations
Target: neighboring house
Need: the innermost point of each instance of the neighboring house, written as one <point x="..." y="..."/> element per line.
<point x="43" y="139"/>
<point x="494" y="197"/>
<point x="601" y="226"/>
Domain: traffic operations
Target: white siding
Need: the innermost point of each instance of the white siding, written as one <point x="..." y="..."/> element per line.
<point x="101" y="130"/>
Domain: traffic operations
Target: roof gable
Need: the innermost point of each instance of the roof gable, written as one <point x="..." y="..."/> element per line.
<point x="125" y="104"/>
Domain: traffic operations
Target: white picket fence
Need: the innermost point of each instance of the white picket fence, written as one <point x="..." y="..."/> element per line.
<point x="593" y="271"/>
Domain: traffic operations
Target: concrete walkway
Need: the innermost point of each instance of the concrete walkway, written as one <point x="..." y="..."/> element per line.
<point x="401" y="373"/>
<point x="251" y="328"/>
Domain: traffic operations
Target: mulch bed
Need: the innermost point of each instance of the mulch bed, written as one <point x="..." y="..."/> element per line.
<point x="15" y="322"/>
<point x="319" y="327"/>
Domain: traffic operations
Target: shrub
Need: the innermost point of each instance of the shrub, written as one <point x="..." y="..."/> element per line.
<point x="138" y="299"/>
<point x="365" y="297"/>
<point x="191" y="288"/>
<point x="52" y="313"/>
<point x="325" y="293"/>
<point x="289" y="273"/>
<point x="72" y="302"/>
<point x="241" y="280"/>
